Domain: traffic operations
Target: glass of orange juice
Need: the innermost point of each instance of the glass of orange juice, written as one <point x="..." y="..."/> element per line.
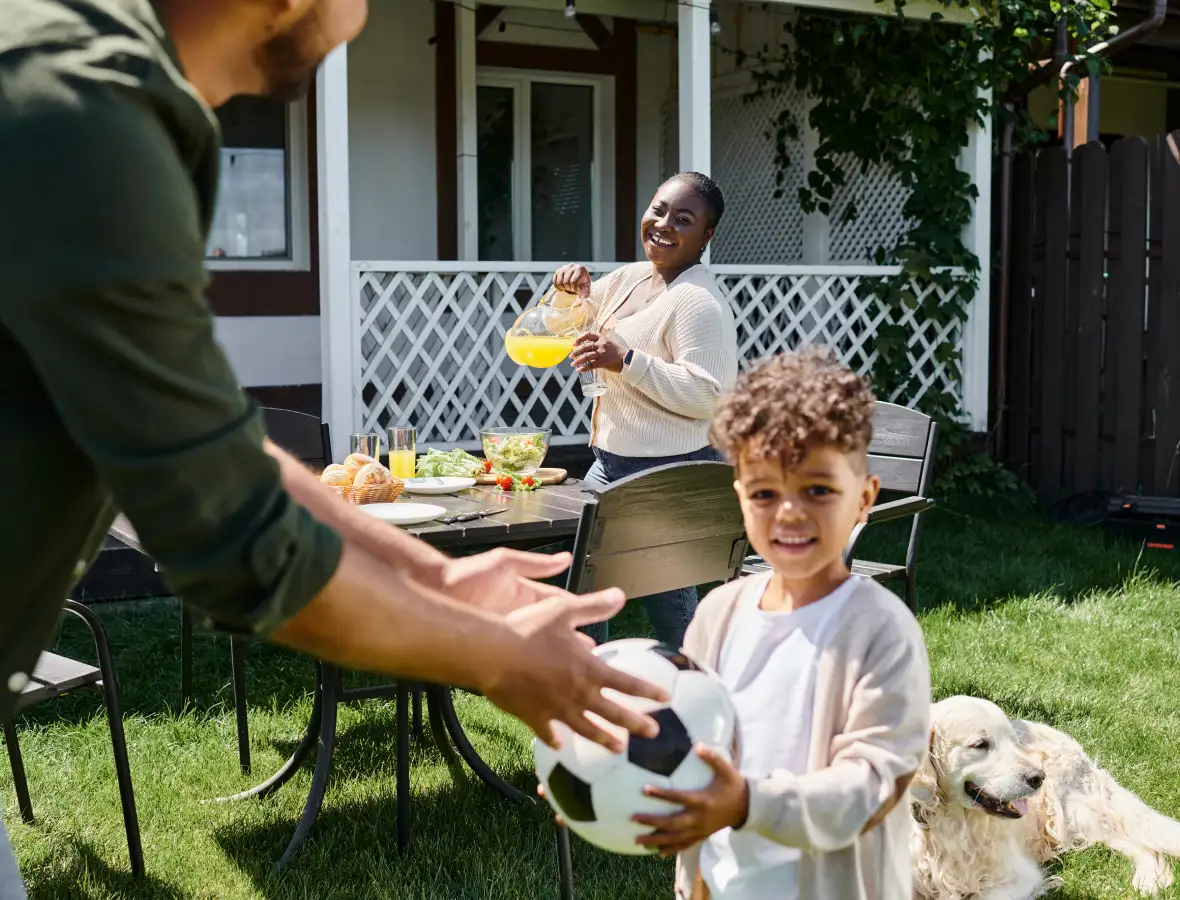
<point x="403" y="451"/>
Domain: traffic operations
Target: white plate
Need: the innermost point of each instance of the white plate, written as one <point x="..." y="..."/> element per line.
<point x="403" y="513"/>
<point x="437" y="485"/>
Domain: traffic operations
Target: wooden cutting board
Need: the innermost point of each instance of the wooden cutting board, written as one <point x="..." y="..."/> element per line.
<point x="542" y="476"/>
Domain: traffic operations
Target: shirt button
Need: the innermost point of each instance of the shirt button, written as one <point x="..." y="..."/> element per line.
<point x="17" y="682"/>
<point x="80" y="568"/>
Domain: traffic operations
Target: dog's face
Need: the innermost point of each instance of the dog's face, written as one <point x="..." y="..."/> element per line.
<point x="975" y="760"/>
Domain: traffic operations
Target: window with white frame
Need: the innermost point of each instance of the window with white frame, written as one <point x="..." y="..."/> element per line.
<point x="261" y="216"/>
<point x="545" y="172"/>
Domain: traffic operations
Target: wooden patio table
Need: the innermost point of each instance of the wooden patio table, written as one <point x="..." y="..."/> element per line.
<point x="530" y="520"/>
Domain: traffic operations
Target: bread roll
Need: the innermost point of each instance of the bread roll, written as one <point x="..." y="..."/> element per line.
<point x="336" y="475"/>
<point x="354" y="462"/>
<point x="373" y="473"/>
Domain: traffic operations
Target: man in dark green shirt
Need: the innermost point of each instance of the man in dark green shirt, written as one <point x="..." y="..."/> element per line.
<point x="114" y="394"/>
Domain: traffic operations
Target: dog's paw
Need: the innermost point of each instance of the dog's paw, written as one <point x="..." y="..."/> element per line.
<point x="1049" y="885"/>
<point x="1152" y="879"/>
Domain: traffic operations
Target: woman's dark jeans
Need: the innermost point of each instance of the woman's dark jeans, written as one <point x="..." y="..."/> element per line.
<point x="670" y="611"/>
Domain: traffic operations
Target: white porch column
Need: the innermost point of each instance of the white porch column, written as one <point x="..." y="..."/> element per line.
<point x="695" y="86"/>
<point x="338" y="315"/>
<point x="977" y="162"/>
<point x="468" y="160"/>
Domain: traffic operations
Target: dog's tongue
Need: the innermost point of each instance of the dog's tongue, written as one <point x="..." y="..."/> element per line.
<point x="1021" y="806"/>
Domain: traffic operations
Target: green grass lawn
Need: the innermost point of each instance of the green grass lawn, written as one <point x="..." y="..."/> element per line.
<point x="1064" y="625"/>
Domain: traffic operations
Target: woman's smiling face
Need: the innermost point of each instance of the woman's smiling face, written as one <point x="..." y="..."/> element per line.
<point x="676" y="226"/>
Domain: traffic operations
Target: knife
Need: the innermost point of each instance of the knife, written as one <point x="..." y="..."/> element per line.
<point x="467" y="517"/>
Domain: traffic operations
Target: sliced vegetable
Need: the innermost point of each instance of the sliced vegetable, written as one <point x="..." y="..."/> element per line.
<point x="450" y="464"/>
<point x="514" y="452"/>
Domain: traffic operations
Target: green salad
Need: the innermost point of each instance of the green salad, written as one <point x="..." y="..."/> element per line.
<point x="449" y="464"/>
<point x="515" y="452"/>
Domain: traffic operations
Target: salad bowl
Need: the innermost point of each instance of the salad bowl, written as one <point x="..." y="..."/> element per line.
<point x="515" y="451"/>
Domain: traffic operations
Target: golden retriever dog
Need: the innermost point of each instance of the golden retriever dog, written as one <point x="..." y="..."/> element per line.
<point x="997" y="799"/>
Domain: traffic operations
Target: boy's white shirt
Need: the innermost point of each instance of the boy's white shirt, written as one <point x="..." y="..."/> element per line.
<point x="767" y="661"/>
<point x="870" y="726"/>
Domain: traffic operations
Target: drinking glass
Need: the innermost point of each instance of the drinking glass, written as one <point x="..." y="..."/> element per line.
<point x="403" y="451"/>
<point x="592" y="382"/>
<point x="367" y="443"/>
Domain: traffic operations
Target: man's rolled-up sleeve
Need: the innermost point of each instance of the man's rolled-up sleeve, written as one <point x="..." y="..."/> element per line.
<point x="105" y="293"/>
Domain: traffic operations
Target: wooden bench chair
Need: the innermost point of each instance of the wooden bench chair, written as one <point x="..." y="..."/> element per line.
<point x="670" y="527"/>
<point x="902" y="455"/>
<point x="56" y="675"/>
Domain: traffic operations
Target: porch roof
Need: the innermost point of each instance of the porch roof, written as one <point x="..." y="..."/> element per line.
<point x="660" y="10"/>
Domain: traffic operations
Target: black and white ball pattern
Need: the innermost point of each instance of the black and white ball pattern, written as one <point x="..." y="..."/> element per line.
<point x="597" y="792"/>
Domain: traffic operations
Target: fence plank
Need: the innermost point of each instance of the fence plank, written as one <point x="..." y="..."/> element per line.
<point x="1056" y="165"/>
<point x="1019" y="386"/>
<point x="1128" y="232"/>
<point x="1037" y="320"/>
<point x="1166" y="324"/>
<point x="1089" y="212"/>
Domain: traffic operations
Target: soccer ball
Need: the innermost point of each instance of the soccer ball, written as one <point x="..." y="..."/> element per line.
<point x="596" y="792"/>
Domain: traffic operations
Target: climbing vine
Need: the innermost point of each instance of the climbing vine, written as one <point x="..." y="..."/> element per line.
<point x="902" y="93"/>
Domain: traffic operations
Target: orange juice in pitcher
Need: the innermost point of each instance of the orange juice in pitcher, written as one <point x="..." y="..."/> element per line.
<point x="543" y="336"/>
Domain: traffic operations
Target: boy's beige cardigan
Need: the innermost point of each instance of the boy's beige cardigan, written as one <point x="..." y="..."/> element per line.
<point x="870" y="730"/>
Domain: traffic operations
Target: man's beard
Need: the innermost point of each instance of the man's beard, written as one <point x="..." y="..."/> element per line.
<point x="289" y="61"/>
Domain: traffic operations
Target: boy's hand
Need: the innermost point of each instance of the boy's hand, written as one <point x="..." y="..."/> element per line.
<point x="723" y="804"/>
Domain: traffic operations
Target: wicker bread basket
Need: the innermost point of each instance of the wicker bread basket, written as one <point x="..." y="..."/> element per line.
<point x="371" y="493"/>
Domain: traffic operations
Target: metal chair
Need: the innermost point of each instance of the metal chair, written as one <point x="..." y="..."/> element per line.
<point x="902" y="455"/>
<point x="56" y="675"/>
<point x="670" y="527"/>
<point x="307" y="439"/>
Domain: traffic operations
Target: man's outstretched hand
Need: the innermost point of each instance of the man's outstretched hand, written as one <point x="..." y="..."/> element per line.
<point x="556" y="677"/>
<point x="502" y="580"/>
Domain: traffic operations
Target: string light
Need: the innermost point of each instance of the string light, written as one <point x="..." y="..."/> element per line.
<point x="570" y="12"/>
<point x="714" y="21"/>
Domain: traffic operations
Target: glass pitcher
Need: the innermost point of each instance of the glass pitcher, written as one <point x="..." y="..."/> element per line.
<point x="543" y="336"/>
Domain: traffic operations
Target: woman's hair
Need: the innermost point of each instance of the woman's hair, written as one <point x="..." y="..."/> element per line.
<point x="708" y="190"/>
<point x="786" y="405"/>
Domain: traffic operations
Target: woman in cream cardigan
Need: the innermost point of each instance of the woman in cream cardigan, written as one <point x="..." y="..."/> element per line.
<point x="667" y="345"/>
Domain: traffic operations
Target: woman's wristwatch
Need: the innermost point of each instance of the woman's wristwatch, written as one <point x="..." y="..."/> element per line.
<point x="627" y="357"/>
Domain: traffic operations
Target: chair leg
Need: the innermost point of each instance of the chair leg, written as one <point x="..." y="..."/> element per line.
<point x="238" y="664"/>
<point x="403" y="765"/>
<point x="417" y="695"/>
<point x="330" y="686"/>
<point x="110" y="696"/>
<point x="186" y="657"/>
<point x="23" y="801"/>
<point x="565" y="864"/>
<point x="911" y="591"/>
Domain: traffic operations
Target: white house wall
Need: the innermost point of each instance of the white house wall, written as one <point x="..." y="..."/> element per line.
<point x="391" y="128"/>
<point x="266" y="351"/>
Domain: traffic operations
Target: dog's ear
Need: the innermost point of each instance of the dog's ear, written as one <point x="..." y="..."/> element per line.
<point x="924" y="787"/>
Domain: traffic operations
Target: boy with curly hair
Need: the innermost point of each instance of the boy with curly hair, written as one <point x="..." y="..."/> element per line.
<point x="828" y="670"/>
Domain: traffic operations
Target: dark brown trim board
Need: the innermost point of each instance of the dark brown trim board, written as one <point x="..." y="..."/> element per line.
<point x="244" y="293"/>
<point x="625" y="49"/>
<point x="446" y="130"/>
<point x="304" y="398"/>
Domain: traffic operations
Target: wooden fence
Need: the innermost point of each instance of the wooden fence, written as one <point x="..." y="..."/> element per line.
<point x="1093" y="387"/>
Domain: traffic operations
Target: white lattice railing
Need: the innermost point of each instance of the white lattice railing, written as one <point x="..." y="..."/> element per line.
<point x="429" y="346"/>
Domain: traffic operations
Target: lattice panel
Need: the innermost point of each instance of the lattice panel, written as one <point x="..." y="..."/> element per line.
<point x="879" y="198"/>
<point x="432" y="355"/>
<point x="777" y="312"/>
<point x="757" y="229"/>
<point x="431" y="344"/>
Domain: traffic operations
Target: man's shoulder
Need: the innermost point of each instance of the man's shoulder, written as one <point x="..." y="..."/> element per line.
<point x="80" y="61"/>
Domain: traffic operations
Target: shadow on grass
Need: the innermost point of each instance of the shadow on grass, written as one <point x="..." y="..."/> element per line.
<point x="972" y="557"/>
<point x="81" y="874"/>
<point x="464" y="843"/>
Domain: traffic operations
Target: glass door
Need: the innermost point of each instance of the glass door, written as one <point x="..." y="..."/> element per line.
<point x="540" y="144"/>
